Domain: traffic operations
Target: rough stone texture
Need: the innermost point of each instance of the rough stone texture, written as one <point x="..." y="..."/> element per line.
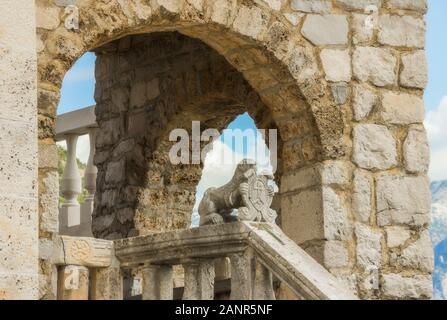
<point x="369" y="248"/>
<point x="418" y="255"/>
<point x="359" y="4"/>
<point x="402" y="108"/>
<point x="377" y="65"/>
<point x="362" y="196"/>
<point x="337" y="254"/>
<point x="365" y="100"/>
<point x="396" y="236"/>
<point x="416" y="151"/>
<point x="414" y="72"/>
<point x="336" y="221"/>
<point x="279" y="66"/>
<point x="362" y="33"/>
<point x="315" y="6"/>
<point x="18" y="159"/>
<point x="396" y="286"/>
<point x="403" y="200"/>
<point x="336" y="65"/>
<point x="374" y="147"/>
<point x="401" y="31"/>
<point x="417" y="5"/>
<point x="327" y="29"/>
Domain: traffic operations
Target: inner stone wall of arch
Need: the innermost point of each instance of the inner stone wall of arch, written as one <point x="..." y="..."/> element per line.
<point x="358" y="199"/>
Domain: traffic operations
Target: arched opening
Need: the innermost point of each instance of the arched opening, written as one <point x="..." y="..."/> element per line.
<point x="275" y="78"/>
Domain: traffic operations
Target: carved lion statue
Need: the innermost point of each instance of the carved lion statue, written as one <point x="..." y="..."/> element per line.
<point x="247" y="192"/>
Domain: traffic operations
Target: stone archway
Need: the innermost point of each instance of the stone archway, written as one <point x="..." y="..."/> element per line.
<point x="342" y="202"/>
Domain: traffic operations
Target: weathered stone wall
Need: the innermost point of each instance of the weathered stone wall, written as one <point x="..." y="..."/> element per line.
<point x="146" y="86"/>
<point x="18" y="158"/>
<point x="355" y="194"/>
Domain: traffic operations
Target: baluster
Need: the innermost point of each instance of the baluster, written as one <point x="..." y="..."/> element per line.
<point x="199" y="280"/>
<point x="242" y="275"/>
<point x="73" y="283"/>
<point x="157" y="282"/>
<point x="90" y="175"/>
<point x="71" y="186"/>
<point x="263" y="284"/>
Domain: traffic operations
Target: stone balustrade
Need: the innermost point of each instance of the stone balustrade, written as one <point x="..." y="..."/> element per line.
<point x="258" y="252"/>
<point x="74" y="218"/>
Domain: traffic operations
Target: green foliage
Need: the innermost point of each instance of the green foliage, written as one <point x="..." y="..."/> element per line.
<point x="62" y="153"/>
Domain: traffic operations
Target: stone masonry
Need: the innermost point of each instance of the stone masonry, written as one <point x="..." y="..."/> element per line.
<point x="343" y="85"/>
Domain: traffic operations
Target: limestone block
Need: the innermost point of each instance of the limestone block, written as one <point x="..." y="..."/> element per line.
<point x="336" y="254"/>
<point x="274" y="4"/>
<point x="223" y="11"/>
<point x="250" y="21"/>
<point x="313" y="6"/>
<point x="417" y="5"/>
<point x="73" y="283"/>
<point x="335" y="172"/>
<point x="400" y="287"/>
<point x="300" y="179"/>
<point x="19" y="286"/>
<point x="416" y="151"/>
<point x="414" y="72"/>
<point x="294" y="17"/>
<point x="396" y="236"/>
<point x="18" y="236"/>
<point x="336" y="221"/>
<point x="107" y="284"/>
<point x="377" y="65"/>
<point x="404" y="31"/>
<point x="362" y="32"/>
<point x="374" y="147"/>
<point x="364" y="101"/>
<point x="174" y="6"/>
<point x="402" y="108"/>
<point x="326" y="29"/>
<point x="48" y="202"/>
<point x="138" y="94"/>
<point x="48" y="157"/>
<point x="418" y="255"/>
<point x="359" y="4"/>
<point x="116" y="171"/>
<point x="403" y="200"/>
<point x="89" y="252"/>
<point x="340" y="92"/>
<point x="199" y="280"/>
<point x="242" y="275"/>
<point x="361" y="197"/>
<point x="369" y="248"/>
<point x="153" y="89"/>
<point x="302" y="217"/>
<point x="336" y="65"/>
<point x="302" y="64"/>
<point x="47" y="16"/>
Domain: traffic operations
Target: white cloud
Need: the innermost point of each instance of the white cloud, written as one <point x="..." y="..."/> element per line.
<point x="436" y="124"/>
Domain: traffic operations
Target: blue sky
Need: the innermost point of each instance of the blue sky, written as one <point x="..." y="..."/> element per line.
<point x="79" y="85"/>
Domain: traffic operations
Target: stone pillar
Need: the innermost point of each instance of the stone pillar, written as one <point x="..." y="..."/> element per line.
<point x="242" y="275"/>
<point x="157" y="282"/>
<point x="71" y="186"/>
<point x="107" y="284"/>
<point x="263" y="284"/>
<point x="199" y="280"/>
<point x="73" y="283"/>
<point x="18" y="158"/>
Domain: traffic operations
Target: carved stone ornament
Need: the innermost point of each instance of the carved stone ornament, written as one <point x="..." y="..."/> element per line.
<point x="247" y="192"/>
